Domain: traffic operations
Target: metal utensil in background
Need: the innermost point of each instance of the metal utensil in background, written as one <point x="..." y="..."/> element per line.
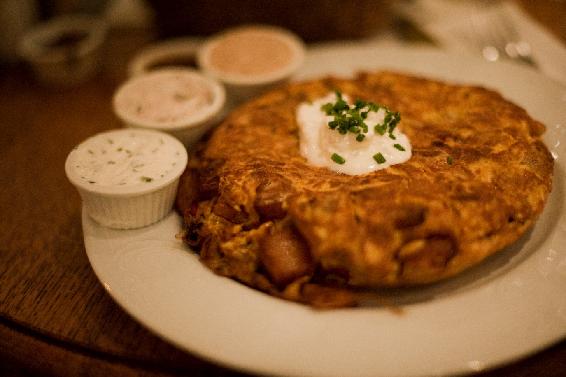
<point x="496" y="36"/>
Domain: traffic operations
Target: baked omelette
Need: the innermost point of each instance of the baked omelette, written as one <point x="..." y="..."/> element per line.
<point x="257" y="211"/>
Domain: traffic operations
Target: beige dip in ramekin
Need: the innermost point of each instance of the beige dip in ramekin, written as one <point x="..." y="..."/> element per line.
<point x="251" y="59"/>
<point x="179" y="101"/>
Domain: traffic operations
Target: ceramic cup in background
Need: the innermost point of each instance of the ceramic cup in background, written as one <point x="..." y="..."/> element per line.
<point x="66" y="50"/>
<point x="178" y="52"/>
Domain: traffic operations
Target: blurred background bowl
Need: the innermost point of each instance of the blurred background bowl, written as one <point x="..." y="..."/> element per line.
<point x="66" y="50"/>
<point x="176" y="52"/>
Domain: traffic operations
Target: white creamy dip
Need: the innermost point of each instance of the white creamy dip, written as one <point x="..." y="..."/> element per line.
<point x="318" y="142"/>
<point x="127" y="158"/>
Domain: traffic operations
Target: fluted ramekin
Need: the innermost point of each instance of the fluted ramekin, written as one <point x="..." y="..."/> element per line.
<point x="127" y="178"/>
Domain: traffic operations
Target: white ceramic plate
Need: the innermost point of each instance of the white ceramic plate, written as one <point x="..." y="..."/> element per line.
<point x="510" y="306"/>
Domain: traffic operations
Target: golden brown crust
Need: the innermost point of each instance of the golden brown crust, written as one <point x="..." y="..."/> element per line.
<point x="413" y="223"/>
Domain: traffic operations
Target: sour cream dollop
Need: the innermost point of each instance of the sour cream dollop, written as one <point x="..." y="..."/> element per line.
<point x="318" y="142"/>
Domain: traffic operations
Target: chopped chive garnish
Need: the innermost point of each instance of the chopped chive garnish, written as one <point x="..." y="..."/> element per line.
<point x="380" y="129"/>
<point x="378" y="157"/>
<point x="449" y="160"/>
<point x="390" y="121"/>
<point x="146" y="179"/>
<point x="351" y="119"/>
<point x="337" y="158"/>
<point x="360" y="137"/>
<point x="399" y="147"/>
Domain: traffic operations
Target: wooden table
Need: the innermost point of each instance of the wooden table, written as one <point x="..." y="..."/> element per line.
<point x="55" y="317"/>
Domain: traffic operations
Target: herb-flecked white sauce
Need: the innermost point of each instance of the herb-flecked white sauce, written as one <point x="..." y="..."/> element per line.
<point x="125" y="159"/>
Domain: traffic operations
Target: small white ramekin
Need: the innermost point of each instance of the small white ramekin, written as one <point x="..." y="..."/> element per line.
<point x="56" y="66"/>
<point x="188" y="129"/>
<point x="241" y="87"/>
<point x="133" y="205"/>
<point x="177" y="52"/>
